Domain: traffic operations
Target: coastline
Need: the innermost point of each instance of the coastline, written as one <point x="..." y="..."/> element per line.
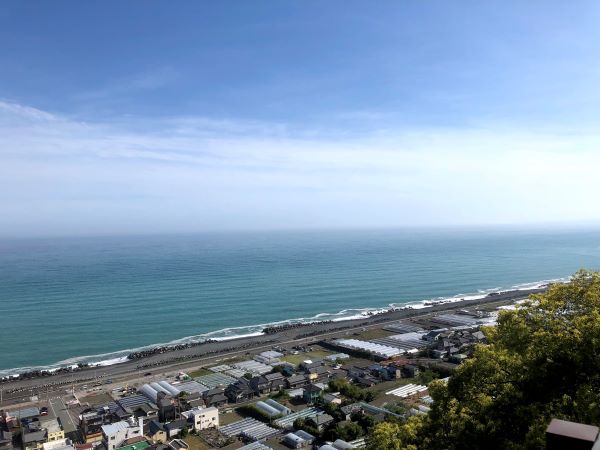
<point x="272" y="334"/>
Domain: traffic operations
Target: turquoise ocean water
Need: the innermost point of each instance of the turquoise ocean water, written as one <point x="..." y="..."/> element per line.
<point x="94" y="299"/>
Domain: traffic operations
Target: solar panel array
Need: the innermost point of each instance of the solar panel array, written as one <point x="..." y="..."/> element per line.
<point x="212" y="380"/>
<point x="191" y="387"/>
<point x="249" y="428"/>
<point x="402" y="327"/>
<point x="260" y="432"/>
<point x="237" y="428"/>
<point x="406" y="391"/>
<point x="253" y="367"/>
<point x="288" y="421"/>
<point x="235" y="373"/>
<point x="133" y="401"/>
<point x="255" y="446"/>
<point x="221" y="368"/>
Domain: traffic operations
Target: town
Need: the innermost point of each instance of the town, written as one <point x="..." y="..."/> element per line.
<point x="325" y="394"/>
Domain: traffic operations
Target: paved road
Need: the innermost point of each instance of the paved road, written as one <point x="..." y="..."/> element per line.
<point x="128" y="373"/>
<point x="59" y="410"/>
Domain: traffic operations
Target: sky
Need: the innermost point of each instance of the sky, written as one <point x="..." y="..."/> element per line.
<point x="160" y="117"/>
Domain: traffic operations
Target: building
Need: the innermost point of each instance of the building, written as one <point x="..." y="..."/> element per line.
<point x="318" y="373"/>
<point x="562" y="434"/>
<point x="213" y="397"/>
<point x="6" y="438"/>
<point x="276" y="381"/>
<point x="312" y="393"/>
<point x="410" y="370"/>
<point x="157" y="432"/>
<point x="385" y="373"/>
<point x="202" y="418"/>
<point x="332" y="398"/>
<point x="174" y="428"/>
<point x="322" y="420"/>
<point x="138" y="443"/>
<point x="59" y="444"/>
<point x="296" y="381"/>
<point x="239" y="391"/>
<point x="115" y="434"/>
<point x="90" y="424"/>
<point x="55" y="431"/>
<point x="166" y="408"/>
<point x="260" y="385"/>
<point x="34" y="440"/>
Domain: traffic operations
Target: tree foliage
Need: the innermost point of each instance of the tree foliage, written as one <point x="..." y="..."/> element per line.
<point x="350" y="390"/>
<point x="541" y="361"/>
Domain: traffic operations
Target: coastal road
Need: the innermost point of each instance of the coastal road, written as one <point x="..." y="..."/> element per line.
<point x="128" y="372"/>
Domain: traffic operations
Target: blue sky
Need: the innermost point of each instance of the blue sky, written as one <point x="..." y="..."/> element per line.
<point x="118" y="117"/>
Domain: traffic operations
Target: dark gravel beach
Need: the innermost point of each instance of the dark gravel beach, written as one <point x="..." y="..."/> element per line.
<point x="169" y="358"/>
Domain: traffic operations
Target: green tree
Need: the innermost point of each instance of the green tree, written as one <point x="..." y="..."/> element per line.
<point x="427" y="376"/>
<point x="394" y="436"/>
<point x="541" y="361"/>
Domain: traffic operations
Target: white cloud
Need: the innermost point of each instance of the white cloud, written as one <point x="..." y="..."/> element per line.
<point x="195" y="173"/>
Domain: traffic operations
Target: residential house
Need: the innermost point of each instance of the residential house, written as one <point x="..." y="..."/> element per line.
<point x="385" y="373"/>
<point x="312" y="393"/>
<point x="260" y="385"/>
<point x="202" y="418"/>
<point x="114" y="434"/>
<point x="239" y="391"/>
<point x="332" y="398"/>
<point x="317" y="374"/>
<point x="34" y="440"/>
<point x="410" y="370"/>
<point x="310" y="364"/>
<point x="213" y="397"/>
<point x="434" y="335"/>
<point x="54" y="430"/>
<point x="90" y="424"/>
<point x="322" y="420"/>
<point x="438" y="353"/>
<point x="166" y="409"/>
<point x="351" y="408"/>
<point x="276" y="380"/>
<point x="157" y="432"/>
<point x="174" y="428"/>
<point x="296" y="381"/>
<point x="59" y="444"/>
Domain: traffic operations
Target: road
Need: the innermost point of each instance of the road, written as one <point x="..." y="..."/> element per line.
<point x="59" y="410"/>
<point x="129" y="373"/>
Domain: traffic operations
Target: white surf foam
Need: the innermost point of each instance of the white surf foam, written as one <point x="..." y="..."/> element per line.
<point x="226" y="334"/>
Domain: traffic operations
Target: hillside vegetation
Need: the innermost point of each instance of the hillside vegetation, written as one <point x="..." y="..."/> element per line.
<point x="542" y="361"/>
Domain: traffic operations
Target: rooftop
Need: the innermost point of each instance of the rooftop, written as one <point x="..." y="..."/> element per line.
<point x="114" y="428"/>
<point x="137" y="446"/>
<point x="573" y="430"/>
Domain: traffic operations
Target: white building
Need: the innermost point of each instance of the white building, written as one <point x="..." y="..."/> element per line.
<point x="203" y="418"/>
<point x="114" y="434"/>
<point x="59" y="444"/>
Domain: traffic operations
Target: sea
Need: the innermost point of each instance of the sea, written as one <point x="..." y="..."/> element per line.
<point x="94" y="300"/>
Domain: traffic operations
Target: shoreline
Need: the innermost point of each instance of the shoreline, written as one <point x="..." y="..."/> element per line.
<point x="159" y="356"/>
